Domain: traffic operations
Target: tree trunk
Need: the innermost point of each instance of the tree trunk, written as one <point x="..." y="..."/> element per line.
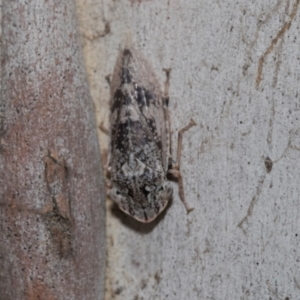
<point x="52" y="219"/>
<point x="235" y="71"/>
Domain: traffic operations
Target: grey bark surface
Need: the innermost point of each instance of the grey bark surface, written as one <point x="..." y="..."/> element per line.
<point x="52" y="209"/>
<point x="235" y="71"/>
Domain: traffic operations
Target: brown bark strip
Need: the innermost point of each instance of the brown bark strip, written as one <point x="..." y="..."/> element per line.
<point x="52" y="222"/>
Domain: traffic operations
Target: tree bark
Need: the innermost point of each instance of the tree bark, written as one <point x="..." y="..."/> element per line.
<point x="52" y="212"/>
<point x="235" y="71"/>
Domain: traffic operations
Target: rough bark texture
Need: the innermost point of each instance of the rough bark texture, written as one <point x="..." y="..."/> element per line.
<point x="235" y="70"/>
<point x="52" y="220"/>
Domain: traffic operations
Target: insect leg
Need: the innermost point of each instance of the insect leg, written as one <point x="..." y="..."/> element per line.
<point x="167" y="115"/>
<point x="175" y="169"/>
<point x="106" y="158"/>
<point x="103" y="129"/>
<point x="167" y="84"/>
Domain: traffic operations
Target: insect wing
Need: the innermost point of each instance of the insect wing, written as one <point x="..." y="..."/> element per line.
<point x="134" y="73"/>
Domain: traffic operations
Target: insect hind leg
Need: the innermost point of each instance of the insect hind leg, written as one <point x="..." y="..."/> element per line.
<point x="174" y="169"/>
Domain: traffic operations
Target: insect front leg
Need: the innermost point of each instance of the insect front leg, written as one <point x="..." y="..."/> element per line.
<point x="174" y="169"/>
<point x="106" y="162"/>
<point x="167" y="115"/>
<point x="106" y="158"/>
<point x="108" y="175"/>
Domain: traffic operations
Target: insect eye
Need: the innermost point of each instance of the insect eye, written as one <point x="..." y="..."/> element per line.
<point x="118" y="192"/>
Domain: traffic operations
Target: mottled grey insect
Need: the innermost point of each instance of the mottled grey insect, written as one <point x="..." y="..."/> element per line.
<point x="140" y="140"/>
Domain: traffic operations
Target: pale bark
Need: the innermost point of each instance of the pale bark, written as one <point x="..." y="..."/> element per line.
<point x="235" y="71"/>
<point x="52" y="219"/>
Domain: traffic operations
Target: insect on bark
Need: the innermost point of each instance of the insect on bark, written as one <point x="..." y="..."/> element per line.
<point x="140" y="140"/>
